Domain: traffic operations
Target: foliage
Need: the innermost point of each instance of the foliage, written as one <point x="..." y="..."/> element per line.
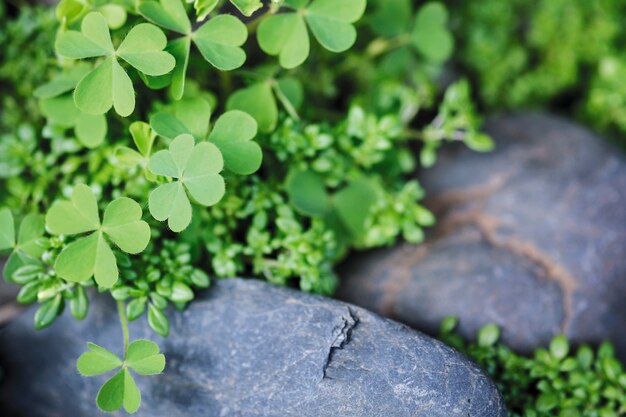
<point x="557" y="381"/>
<point x="271" y="158"/>
<point x="556" y="53"/>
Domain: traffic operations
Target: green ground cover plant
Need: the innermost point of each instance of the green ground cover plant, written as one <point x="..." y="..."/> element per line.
<point x="555" y="382"/>
<point x="149" y="145"/>
<point x="561" y="54"/>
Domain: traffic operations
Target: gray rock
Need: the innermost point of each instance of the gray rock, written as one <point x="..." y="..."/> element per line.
<point x="531" y="237"/>
<point x="247" y="348"/>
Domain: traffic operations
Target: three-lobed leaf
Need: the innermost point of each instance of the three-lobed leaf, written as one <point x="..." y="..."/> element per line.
<point x="108" y="85"/>
<point x="219" y="40"/>
<point x="195" y="168"/>
<point x="27" y="248"/>
<point x="91" y="255"/>
<point x="330" y="21"/>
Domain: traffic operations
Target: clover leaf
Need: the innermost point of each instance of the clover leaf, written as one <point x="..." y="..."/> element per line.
<point x="259" y="100"/>
<point x="218" y="40"/>
<point x="427" y="33"/>
<point x="189" y="115"/>
<point x="91" y="255"/>
<point x="232" y="134"/>
<point x="430" y="35"/>
<point x="345" y="210"/>
<point x="142" y="356"/>
<point x="60" y="109"/>
<point x="108" y="85"/>
<point x="196" y="170"/>
<point x="70" y="11"/>
<point x="29" y="245"/>
<point x="330" y="21"/>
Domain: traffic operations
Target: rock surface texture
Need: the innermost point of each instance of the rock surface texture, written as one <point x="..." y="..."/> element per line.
<point x="250" y="349"/>
<point x="531" y="236"/>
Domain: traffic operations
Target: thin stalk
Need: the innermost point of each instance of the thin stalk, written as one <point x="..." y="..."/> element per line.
<point x="124" y="322"/>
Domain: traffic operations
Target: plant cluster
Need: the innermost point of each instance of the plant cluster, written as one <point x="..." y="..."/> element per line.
<point x="554" y="382"/>
<point x="556" y="53"/>
<point x="163" y="145"/>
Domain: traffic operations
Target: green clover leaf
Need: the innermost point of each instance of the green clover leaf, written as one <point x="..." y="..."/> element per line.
<point x="70" y="11"/>
<point x="346" y="210"/>
<point x="29" y="245"/>
<point x="232" y="134"/>
<point x="91" y="255"/>
<point x="219" y="40"/>
<point x="60" y="109"/>
<point x="430" y="35"/>
<point x="196" y="170"/>
<point x="108" y="85"/>
<point x="330" y="21"/>
<point x="189" y="115"/>
<point x="259" y="100"/>
<point x="142" y="356"/>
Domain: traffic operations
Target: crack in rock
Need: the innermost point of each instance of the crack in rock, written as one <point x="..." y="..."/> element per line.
<point x="341" y="339"/>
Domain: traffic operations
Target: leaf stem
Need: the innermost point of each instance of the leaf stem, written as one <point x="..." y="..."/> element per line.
<point x="124" y="322"/>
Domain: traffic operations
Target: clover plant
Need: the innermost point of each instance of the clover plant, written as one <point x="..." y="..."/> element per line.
<point x="223" y="156"/>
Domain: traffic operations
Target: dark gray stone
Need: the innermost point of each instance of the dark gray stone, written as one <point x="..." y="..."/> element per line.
<point x="531" y="237"/>
<point x="247" y="348"/>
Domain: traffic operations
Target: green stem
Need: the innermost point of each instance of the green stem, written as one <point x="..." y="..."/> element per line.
<point x="124" y="322"/>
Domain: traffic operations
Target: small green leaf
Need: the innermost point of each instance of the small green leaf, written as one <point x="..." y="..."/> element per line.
<point x="48" y="312"/>
<point x="169" y="14"/>
<point x="168" y="125"/>
<point x="232" y="134"/>
<point x="285" y="35"/>
<point x="559" y="347"/>
<point x="91" y="255"/>
<point x="247" y="7"/>
<point x="135" y="308"/>
<point x="158" y="321"/>
<point x="203" y="8"/>
<point x="200" y="279"/>
<point x="69" y="11"/>
<point x="488" y="335"/>
<point x="196" y="169"/>
<point x="181" y="293"/>
<point x="143" y="49"/>
<point x="79" y="215"/>
<point x="114" y="14"/>
<point x="79" y="304"/>
<point x="219" y="41"/>
<point x="354" y="204"/>
<point x="97" y="361"/>
<point x="331" y="22"/>
<point x="430" y="35"/>
<point x="111" y="395"/>
<point x="546" y="402"/>
<point x="144" y="358"/>
<point x="143" y="136"/>
<point x="7" y="229"/>
<point x="122" y="223"/>
<point x="307" y="193"/>
<point x="258" y="101"/>
<point x="92" y="41"/>
<point x="91" y="130"/>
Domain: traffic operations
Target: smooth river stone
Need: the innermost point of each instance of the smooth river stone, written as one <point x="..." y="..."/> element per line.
<point x="247" y="348"/>
<point x="531" y="236"/>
